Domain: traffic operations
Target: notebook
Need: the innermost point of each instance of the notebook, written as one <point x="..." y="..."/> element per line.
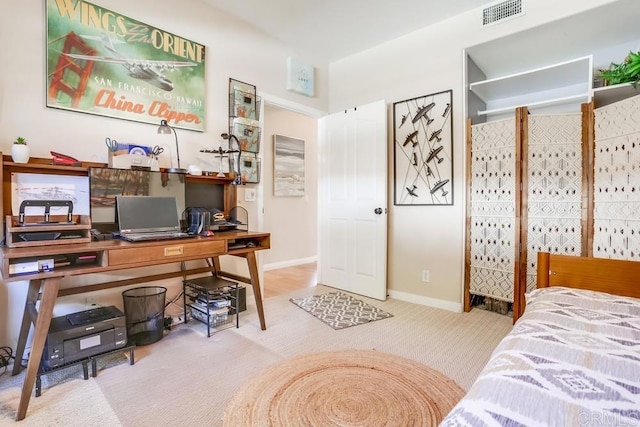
<point x="143" y="218"/>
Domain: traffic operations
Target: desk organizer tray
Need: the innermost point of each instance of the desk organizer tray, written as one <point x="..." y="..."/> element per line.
<point x="56" y="231"/>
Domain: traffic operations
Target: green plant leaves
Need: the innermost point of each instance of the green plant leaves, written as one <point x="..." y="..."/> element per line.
<point x="627" y="71"/>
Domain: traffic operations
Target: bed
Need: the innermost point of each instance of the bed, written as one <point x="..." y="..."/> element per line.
<point x="572" y="359"/>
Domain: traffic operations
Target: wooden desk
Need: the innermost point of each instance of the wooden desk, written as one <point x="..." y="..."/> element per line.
<point x="114" y="255"/>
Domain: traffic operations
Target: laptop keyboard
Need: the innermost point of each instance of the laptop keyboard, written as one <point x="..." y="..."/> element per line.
<point x="155" y="236"/>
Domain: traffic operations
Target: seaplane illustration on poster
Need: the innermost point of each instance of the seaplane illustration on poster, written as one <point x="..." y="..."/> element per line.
<point x="104" y="63"/>
<point x="149" y="71"/>
<point x="423" y="150"/>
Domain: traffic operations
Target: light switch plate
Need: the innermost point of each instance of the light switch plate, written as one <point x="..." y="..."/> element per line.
<point x="249" y="194"/>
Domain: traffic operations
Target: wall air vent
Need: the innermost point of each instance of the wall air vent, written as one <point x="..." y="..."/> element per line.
<point x="501" y="11"/>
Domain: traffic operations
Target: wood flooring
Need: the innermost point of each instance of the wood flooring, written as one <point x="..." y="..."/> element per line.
<point x="285" y="280"/>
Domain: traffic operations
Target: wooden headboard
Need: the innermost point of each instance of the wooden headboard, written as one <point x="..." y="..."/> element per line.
<point x="596" y="274"/>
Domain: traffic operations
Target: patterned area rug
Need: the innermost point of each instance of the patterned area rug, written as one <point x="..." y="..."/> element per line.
<point x="345" y="388"/>
<point x="340" y="310"/>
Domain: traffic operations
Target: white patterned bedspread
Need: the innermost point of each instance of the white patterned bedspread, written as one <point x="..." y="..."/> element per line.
<point x="572" y="359"/>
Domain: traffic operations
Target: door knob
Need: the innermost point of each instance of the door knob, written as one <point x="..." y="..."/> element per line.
<point x="377" y="211"/>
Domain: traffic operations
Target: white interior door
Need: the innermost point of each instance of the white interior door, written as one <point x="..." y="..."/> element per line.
<point x="352" y="200"/>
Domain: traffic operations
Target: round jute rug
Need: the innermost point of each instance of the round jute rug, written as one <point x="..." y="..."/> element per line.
<point x="345" y="388"/>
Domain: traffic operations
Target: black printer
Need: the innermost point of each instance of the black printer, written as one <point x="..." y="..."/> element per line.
<point x="84" y="334"/>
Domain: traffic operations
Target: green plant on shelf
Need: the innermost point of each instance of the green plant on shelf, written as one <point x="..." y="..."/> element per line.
<point x="21" y="140"/>
<point x="627" y="71"/>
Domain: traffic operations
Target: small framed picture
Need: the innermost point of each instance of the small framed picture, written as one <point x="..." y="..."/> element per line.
<point x="300" y="77"/>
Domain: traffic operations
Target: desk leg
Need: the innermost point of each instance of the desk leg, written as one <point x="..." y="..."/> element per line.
<point x="50" y="289"/>
<point x="32" y="298"/>
<point x="255" y="282"/>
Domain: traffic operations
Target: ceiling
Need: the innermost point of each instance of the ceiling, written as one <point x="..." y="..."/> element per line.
<point x="577" y="35"/>
<point x="334" y="29"/>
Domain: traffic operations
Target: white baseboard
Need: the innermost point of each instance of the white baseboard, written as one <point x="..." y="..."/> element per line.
<point x="289" y="263"/>
<point x="429" y="302"/>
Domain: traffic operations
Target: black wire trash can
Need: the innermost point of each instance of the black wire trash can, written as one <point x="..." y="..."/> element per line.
<point x="144" y="313"/>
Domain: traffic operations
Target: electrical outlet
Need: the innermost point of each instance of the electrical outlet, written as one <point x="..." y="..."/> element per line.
<point x="177" y="320"/>
<point x="425" y="276"/>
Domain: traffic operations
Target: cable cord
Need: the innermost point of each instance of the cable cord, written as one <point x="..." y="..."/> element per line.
<point x="174" y="299"/>
<point x="6" y="354"/>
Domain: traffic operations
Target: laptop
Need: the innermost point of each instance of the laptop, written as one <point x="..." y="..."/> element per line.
<point x="142" y="218"/>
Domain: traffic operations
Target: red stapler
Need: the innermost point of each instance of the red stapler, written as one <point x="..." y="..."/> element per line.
<point x="63" y="159"/>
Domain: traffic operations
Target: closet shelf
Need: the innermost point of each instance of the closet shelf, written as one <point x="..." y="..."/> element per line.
<point x="584" y="97"/>
<point x="609" y="94"/>
<point x="560" y="75"/>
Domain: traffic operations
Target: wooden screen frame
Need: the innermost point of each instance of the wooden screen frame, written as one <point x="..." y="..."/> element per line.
<point x="521" y="202"/>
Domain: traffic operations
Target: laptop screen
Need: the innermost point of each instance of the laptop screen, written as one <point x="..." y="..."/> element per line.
<point x="141" y="214"/>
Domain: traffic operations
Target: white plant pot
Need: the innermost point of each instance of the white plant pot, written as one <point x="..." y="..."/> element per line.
<point x="20" y="153"/>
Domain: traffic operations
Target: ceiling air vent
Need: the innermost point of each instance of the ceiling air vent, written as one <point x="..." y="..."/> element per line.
<point x="498" y="12"/>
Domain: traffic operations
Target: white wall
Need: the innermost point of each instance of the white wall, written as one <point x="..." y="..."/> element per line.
<point x="429" y="61"/>
<point x="233" y="50"/>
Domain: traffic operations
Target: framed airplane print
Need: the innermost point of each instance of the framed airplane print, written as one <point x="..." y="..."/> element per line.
<point x="423" y="150"/>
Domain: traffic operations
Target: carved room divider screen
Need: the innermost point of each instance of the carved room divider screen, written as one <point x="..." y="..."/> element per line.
<point x="552" y="207"/>
<point x="492" y="231"/>
<point x="527" y="190"/>
<point x="562" y="183"/>
<point x="616" y="212"/>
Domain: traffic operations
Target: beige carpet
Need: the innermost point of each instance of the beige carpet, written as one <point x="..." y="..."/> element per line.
<point x="345" y="388"/>
<point x="74" y="403"/>
<point x="189" y="379"/>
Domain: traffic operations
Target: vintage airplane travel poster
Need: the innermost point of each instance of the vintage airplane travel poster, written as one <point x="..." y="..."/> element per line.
<point x="101" y="62"/>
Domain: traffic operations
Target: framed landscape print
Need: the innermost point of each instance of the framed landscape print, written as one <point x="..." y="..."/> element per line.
<point x="288" y="165"/>
<point x="423" y="150"/>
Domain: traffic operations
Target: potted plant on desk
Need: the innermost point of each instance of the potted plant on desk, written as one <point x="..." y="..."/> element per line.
<point x="20" y="150"/>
